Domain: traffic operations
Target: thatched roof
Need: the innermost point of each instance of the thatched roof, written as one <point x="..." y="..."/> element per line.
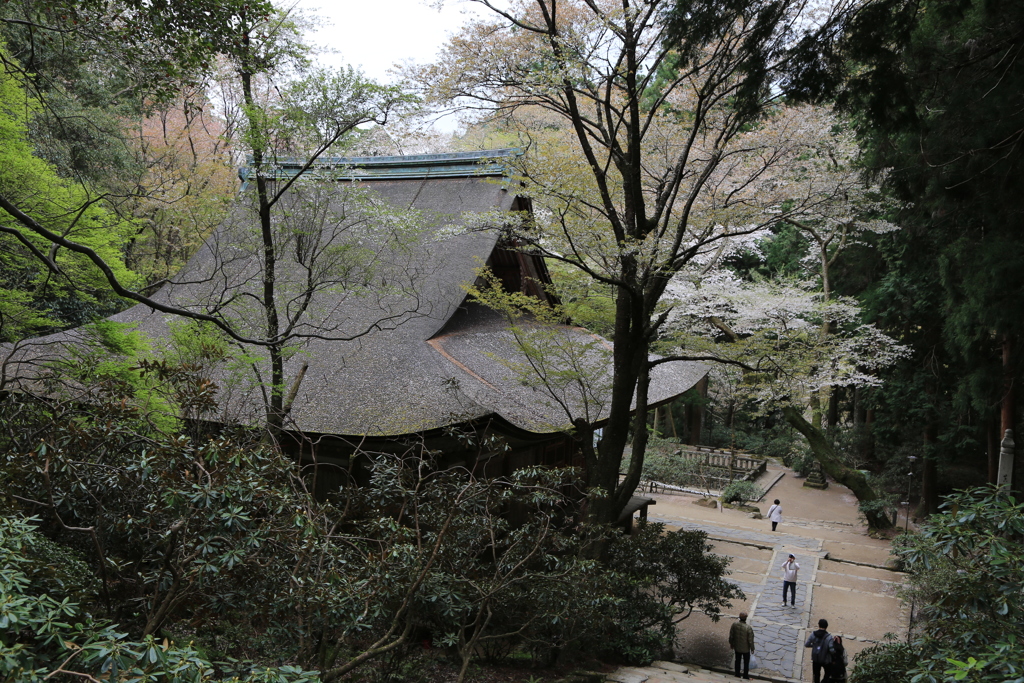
<point x="392" y="344"/>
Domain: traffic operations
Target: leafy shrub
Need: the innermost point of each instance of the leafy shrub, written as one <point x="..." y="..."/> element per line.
<point x="802" y="463"/>
<point x="175" y="535"/>
<point x="740" y="491"/>
<point x="880" y="506"/>
<point x="966" y="568"/>
<point x="898" y="547"/>
<point x="658" y="580"/>
<point x="221" y="537"/>
<point x="886" y="662"/>
<point x="41" y="634"/>
<point x="777" y="447"/>
<point x="667" y="467"/>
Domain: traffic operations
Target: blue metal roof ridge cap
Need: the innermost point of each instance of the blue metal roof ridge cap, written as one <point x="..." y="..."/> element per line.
<point x="432" y="165"/>
<point x="408" y="159"/>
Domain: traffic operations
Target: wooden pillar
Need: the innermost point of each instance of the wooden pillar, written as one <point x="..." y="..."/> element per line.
<point x="695" y="414"/>
<point x="671" y="421"/>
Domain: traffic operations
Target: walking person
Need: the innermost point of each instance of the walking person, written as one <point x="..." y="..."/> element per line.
<point x="789" y="572"/>
<point x="820" y="643"/>
<point x="837" y="670"/>
<point x="775" y="513"/>
<point x="741" y="640"/>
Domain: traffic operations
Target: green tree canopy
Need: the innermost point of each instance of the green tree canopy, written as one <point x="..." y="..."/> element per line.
<point x="42" y="285"/>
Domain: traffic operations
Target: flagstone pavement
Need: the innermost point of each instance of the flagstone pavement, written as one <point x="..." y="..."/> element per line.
<point x="842" y="578"/>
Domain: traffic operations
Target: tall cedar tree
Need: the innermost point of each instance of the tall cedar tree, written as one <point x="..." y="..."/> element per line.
<point x="938" y="89"/>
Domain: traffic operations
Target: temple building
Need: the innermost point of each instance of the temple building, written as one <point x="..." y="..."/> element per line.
<point x="387" y="351"/>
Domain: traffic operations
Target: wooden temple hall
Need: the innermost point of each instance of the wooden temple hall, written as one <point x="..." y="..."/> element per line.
<point x="405" y="359"/>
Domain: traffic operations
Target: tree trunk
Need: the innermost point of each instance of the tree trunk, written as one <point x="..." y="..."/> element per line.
<point x="272" y="326"/>
<point x="929" y="473"/>
<point x="824" y="454"/>
<point x="862" y="426"/>
<point x="816" y="414"/>
<point x="833" y="407"/>
<point x="869" y="421"/>
<point x="992" y="448"/>
<point x="627" y="424"/>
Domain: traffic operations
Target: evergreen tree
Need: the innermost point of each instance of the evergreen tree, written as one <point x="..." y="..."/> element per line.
<point x="938" y="89"/>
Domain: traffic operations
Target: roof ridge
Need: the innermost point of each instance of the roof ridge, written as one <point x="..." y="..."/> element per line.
<point x="489" y="162"/>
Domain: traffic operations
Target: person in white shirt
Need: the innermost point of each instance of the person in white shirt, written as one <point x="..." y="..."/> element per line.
<point x="789" y="571"/>
<point x="775" y="514"/>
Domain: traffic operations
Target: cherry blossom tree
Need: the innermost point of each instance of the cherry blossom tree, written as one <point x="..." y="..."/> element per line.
<point x="786" y="342"/>
<point x="646" y="151"/>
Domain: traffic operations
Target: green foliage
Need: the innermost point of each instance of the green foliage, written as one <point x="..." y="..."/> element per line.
<point x="659" y="579"/>
<point x="503" y="584"/>
<point x="935" y="91"/>
<point x="35" y="294"/>
<point x="801" y="461"/>
<point x="886" y="662"/>
<point x="781" y="255"/>
<point x="663" y="465"/>
<point x="139" y="51"/>
<point x="569" y="370"/>
<point x="118" y="338"/>
<point x="55" y="569"/>
<point x="175" y="535"/>
<point x="586" y="302"/>
<point x="196" y="342"/>
<point x="967" y="566"/>
<point x="42" y="635"/>
<point x="880" y="507"/>
<point x="166" y="388"/>
<point x="741" y="491"/>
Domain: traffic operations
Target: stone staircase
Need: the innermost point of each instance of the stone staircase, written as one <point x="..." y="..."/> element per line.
<point x="670" y="672"/>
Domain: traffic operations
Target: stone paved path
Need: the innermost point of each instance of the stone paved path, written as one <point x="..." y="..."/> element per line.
<point x="840" y="578"/>
<point x="778" y="629"/>
<point x="768" y="539"/>
<point x="781" y="626"/>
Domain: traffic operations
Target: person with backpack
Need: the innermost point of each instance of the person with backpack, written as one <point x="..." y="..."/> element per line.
<point x="775" y="513"/>
<point x="837" y="671"/>
<point x="820" y="642"/>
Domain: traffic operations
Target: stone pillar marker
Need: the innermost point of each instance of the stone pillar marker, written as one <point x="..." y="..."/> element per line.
<point x="816" y="478"/>
<point x="1005" y="460"/>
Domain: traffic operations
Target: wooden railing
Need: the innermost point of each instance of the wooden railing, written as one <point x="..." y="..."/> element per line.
<point x="737" y="461"/>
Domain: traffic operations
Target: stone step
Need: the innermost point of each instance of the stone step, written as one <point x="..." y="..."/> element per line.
<point x="670" y="672"/>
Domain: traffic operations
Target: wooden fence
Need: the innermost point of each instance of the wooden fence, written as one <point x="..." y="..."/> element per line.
<point x="739" y="462"/>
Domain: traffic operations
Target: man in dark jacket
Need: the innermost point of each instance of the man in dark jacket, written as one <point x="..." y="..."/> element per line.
<point x="820" y="642"/>
<point x="741" y="640"/>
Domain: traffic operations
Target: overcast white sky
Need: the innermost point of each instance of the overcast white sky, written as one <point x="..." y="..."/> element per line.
<point x="375" y="34"/>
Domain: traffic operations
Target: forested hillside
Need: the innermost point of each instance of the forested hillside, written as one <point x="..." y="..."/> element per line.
<point x="826" y="207"/>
